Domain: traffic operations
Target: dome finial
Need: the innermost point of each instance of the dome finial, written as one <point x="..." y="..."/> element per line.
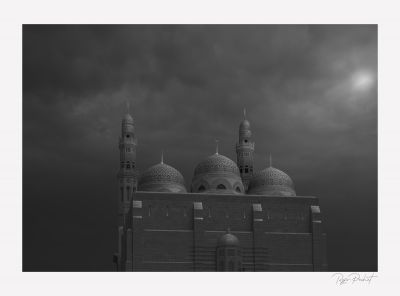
<point x="244" y="113"/>
<point x="127" y="106"/>
<point x="270" y="160"/>
<point x="162" y="156"/>
<point x="216" y="146"/>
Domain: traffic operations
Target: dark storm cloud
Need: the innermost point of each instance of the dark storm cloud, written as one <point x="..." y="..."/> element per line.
<point x="305" y="89"/>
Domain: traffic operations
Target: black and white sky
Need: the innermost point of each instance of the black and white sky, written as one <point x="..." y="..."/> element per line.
<point x="310" y="93"/>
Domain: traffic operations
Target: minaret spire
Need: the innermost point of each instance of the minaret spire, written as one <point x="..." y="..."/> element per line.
<point x="127" y="184"/>
<point x="127" y="174"/>
<point x="162" y="156"/>
<point x="216" y="146"/>
<point x="245" y="151"/>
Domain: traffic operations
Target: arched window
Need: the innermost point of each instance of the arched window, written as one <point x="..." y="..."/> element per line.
<point x="238" y="189"/>
<point x="202" y="188"/>
<point x="221" y="186"/>
<point x="128" y="165"/>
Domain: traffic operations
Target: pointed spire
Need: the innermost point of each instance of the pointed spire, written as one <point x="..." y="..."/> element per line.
<point x="162" y="156"/>
<point x="244" y="113"/>
<point x="216" y="146"/>
<point x="127" y="106"/>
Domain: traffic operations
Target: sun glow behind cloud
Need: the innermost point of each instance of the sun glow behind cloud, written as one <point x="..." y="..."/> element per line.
<point x="362" y="80"/>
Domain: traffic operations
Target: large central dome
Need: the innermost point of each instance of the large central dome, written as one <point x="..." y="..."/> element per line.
<point x="161" y="178"/>
<point x="217" y="174"/>
<point x="216" y="163"/>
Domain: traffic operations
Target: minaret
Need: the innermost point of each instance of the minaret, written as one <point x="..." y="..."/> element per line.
<point x="127" y="175"/>
<point x="127" y="184"/>
<point x="245" y="151"/>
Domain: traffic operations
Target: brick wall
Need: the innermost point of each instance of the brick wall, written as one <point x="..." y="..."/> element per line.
<point x="179" y="232"/>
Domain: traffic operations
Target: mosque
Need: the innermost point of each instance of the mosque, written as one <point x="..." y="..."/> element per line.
<point x="233" y="218"/>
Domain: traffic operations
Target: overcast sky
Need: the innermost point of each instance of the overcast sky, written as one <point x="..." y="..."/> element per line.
<point x="310" y="93"/>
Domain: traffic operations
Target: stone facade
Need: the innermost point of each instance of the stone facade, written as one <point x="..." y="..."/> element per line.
<point x="234" y="219"/>
<point x="180" y="232"/>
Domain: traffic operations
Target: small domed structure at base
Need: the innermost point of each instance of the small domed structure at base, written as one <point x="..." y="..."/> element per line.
<point x="228" y="240"/>
<point x="229" y="254"/>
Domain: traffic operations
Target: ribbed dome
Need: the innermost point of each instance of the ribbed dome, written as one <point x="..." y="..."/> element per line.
<point x="216" y="163"/>
<point x="161" y="178"/>
<point x="271" y="182"/>
<point x="217" y="174"/>
<point x="228" y="240"/>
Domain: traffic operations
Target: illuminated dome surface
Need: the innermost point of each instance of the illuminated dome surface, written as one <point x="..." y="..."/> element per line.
<point x="216" y="163"/>
<point x="161" y="178"/>
<point x="271" y="182"/>
<point x="217" y="174"/>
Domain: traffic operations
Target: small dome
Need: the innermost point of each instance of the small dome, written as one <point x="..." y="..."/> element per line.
<point x="128" y="118"/>
<point x="271" y="182"/>
<point x="244" y="125"/>
<point x="217" y="174"/>
<point x="128" y="124"/>
<point x="228" y="240"/>
<point x="161" y="178"/>
<point x="244" y="129"/>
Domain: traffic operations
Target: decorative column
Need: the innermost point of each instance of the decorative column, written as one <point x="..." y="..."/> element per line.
<point x="316" y="230"/>
<point x="257" y="237"/>
<point x="198" y="233"/>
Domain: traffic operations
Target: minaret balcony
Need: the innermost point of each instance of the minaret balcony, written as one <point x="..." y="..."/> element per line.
<point x="248" y="145"/>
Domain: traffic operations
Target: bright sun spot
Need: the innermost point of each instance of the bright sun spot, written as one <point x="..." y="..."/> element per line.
<point x="362" y="80"/>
